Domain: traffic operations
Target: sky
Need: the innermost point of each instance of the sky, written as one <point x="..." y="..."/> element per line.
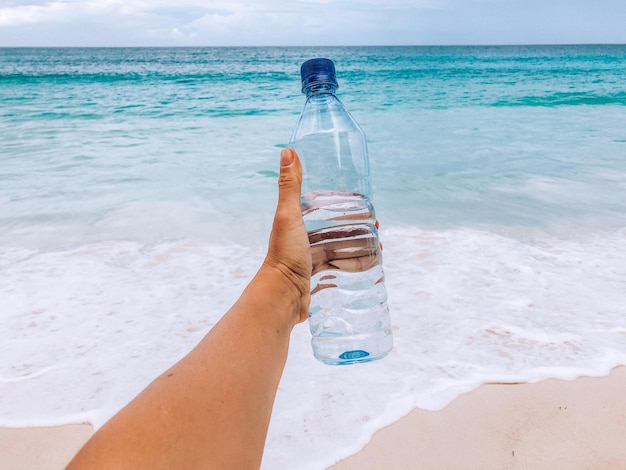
<point x="309" y="22"/>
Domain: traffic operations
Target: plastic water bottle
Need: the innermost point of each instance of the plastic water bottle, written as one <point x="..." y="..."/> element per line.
<point x="348" y="316"/>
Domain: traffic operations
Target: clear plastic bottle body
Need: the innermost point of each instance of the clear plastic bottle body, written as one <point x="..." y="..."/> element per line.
<point x="348" y="316"/>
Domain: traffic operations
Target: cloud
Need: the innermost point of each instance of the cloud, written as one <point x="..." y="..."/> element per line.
<point x="20" y="12"/>
<point x="306" y="22"/>
<point x="317" y="22"/>
<point x="18" y="15"/>
<point x="99" y="22"/>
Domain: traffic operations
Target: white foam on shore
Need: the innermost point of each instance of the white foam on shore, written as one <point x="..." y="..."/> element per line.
<point x="83" y="330"/>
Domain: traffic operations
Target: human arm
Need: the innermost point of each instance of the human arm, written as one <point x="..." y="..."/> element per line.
<point x="212" y="409"/>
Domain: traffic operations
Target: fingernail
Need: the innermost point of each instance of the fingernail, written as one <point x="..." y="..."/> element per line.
<point x="286" y="157"/>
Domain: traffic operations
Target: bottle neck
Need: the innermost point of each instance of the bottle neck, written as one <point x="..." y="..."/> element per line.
<point x="320" y="89"/>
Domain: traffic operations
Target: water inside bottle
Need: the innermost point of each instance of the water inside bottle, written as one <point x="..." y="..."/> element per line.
<point x="348" y="316"/>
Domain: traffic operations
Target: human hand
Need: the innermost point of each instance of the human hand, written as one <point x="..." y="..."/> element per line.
<point x="289" y="250"/>
<point x="352" y="248"/>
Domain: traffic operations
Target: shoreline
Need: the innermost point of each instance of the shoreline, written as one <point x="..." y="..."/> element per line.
<point x="549" y="424"/>
<point x="577" y="424"/>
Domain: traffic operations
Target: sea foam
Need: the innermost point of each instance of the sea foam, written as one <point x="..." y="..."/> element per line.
<point x="85" y="329"/>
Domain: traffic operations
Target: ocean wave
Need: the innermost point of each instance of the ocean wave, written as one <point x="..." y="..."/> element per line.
<point x="468" y="306"/>
<point x="179" y="77"/>
<point x="576" y="98"/>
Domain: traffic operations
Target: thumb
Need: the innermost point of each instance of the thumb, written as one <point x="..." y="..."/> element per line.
<point x="290" y="180"/>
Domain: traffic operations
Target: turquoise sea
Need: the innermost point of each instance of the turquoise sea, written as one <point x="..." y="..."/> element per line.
<point x="137" y="188"/>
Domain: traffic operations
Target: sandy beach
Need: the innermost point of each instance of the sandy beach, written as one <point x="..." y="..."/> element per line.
<point x="554" y="424"/>
<point x="41" y="448"/>
<point x="578" y="424"/>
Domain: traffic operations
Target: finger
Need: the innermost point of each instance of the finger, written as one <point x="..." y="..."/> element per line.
<point x="355" y="265"/>
<point x="290" y="179"/>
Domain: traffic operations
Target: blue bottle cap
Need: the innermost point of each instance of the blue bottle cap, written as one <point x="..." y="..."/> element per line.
<point x="318" y="71"/>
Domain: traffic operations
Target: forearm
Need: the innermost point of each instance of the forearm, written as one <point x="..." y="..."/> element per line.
<point x="224" y="388"/>
<point x="212" y="409"/>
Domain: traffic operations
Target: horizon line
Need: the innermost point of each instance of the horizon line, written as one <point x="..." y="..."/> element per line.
<point x="315" y="46"/>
